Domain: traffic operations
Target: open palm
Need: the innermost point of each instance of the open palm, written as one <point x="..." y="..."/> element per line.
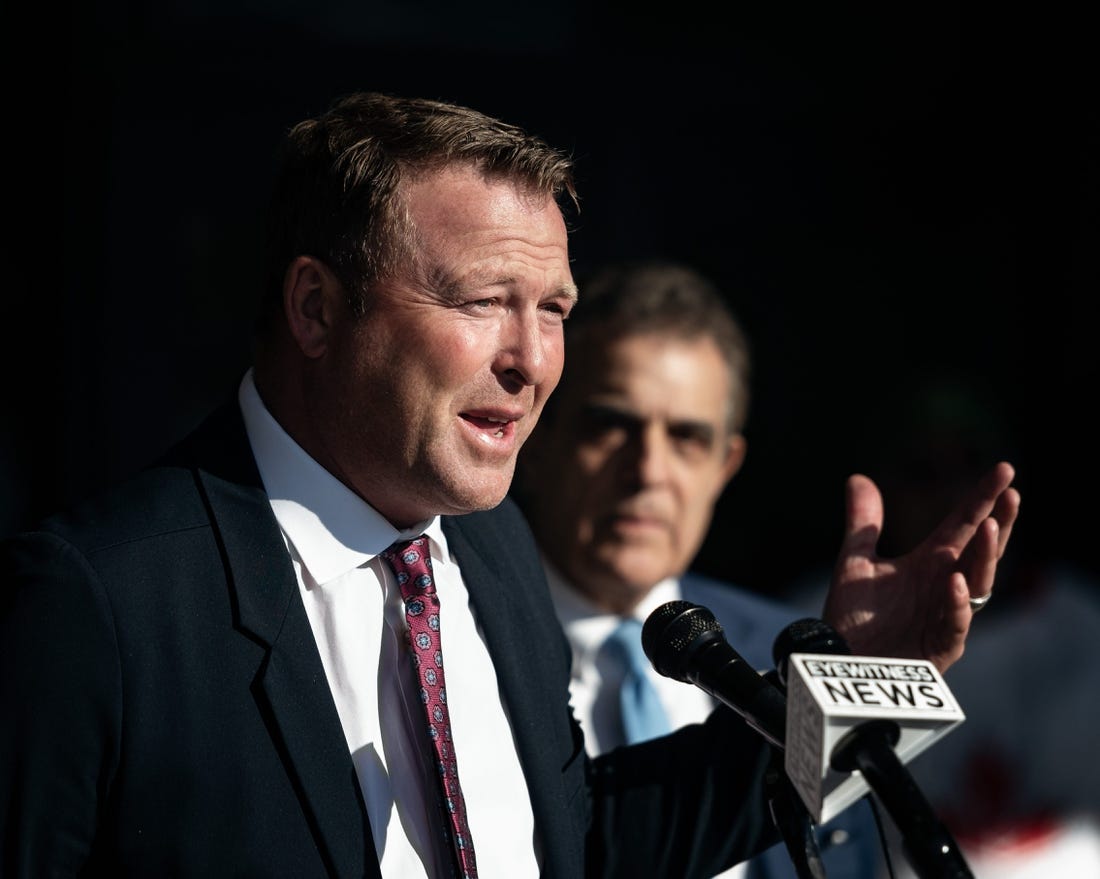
<point x="916" y="606"/>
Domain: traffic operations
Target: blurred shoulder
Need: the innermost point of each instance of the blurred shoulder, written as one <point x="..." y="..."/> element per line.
<point x="749" y="619"/>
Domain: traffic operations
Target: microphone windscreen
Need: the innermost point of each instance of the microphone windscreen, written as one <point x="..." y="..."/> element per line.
<point x="673" y="632"/>
<point x="808" y="635"/>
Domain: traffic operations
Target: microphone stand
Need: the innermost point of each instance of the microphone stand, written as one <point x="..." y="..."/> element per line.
<point x="869" y="748"/>
<point x="931" y="849"/>
<point x="793" y="820"/>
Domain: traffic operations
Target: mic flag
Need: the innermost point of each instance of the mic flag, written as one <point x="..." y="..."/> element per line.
<point x="830" y="695"/>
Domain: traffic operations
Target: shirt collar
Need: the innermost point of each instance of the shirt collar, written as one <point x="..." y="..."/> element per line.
<point x="588" y="626"/>
<point x="332" y="529"/>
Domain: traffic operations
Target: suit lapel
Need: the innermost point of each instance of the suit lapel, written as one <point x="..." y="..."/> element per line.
<point x="292" y="687"/>
<point x="511" y="624"/>
<point x="507" y="589"/>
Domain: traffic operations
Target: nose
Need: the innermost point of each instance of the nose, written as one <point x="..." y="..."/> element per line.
<point x="650" y="461"/>
<point x="526" y="350"/>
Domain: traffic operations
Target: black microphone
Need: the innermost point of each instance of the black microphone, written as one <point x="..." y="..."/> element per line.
<point x="807" y="635"/>
<point x="685" y="642"/>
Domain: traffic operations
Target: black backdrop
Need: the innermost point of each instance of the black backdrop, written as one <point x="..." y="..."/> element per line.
<point x="884" y="194"/>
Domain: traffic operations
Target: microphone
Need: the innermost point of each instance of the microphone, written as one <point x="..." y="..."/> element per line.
<point x="807" y="635"/>
<point x="685" y="642"/>
<point x="853" y="722"/>
<point x="846" y="717"/>
<point x="831" y="694"/>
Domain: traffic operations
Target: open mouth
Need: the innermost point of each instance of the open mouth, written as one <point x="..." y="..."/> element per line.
<point x="498" y="428"/>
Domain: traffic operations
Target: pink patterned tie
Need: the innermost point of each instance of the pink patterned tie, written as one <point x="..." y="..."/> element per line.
<point x="412" y="565"/>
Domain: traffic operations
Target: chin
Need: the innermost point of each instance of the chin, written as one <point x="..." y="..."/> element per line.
<point x="639" y="576"/>
<point x="465" y="488"/>
<point x="473" y="501"/>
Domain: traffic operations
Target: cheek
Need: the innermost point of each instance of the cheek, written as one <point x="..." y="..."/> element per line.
<point x="578" y="496"/>
<point x="700" y="490"/>
<point x="452" y="353"/>
<point x="431" y="385"/>
<point x="452" y="365"/>
<point x="692" y="526"/>
<point x="554" y="348"/>
<point x="591" y="459"/>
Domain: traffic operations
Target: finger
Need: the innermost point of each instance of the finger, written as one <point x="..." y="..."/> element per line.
<point x="956" y="625"/>
<point x="863" y="525"/>
<point x="947" y="625"/>
<point x="1005" y="512"/>
<point x="980" y="565"/>
<point x="959" y="526"/>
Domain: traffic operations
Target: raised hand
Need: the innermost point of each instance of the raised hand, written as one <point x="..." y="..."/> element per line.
<point x="918" y="605"/>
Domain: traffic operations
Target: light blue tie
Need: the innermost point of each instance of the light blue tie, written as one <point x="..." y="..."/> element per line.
<point x="642" y="715"/>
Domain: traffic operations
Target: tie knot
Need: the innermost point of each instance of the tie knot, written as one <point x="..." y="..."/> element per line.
<point x="626" y="640"/>
<point x="642" y="714"/>
<point x="412" y="565"/>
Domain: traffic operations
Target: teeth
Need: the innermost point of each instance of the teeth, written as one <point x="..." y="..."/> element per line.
<point x="497" y="420"/>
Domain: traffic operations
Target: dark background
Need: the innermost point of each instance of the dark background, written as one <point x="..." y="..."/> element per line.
<point x="887" y="195"/>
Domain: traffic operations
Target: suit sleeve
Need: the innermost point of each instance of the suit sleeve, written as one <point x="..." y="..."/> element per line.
<point x="689" y="804"/>
<point x="61" y="696"/>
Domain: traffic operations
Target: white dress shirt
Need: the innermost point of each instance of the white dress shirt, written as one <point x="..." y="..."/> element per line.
<point x="357" y="616"/>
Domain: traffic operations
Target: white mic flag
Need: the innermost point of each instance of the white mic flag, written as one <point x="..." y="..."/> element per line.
<point x="829" y="695"/>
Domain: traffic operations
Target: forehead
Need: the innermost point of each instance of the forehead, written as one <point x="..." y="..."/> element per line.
<point x="458" y="209"/>
<point x="655" y="375"/>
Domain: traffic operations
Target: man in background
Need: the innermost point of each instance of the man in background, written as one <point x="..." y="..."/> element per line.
<point x="620" y="483"/>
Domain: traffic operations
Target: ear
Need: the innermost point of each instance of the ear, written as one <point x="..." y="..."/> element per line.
<point x="736" y="447"/>
<point x="311" y="297"/>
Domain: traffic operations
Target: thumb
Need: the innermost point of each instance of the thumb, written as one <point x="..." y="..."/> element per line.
<point x="863" y="517"/>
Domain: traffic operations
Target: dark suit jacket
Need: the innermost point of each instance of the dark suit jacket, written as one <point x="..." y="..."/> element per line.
<point x="166" y="712"/>
<point x="849" y="843"/>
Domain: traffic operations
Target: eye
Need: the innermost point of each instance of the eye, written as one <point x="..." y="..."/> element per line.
<point x="606" y="424"/>
<point x="557" y="308"/>
<point x="691" y="433"/>
<point x="692" y="439"/>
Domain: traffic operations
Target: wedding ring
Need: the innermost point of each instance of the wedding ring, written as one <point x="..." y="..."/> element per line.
<point x="978" y="603"/>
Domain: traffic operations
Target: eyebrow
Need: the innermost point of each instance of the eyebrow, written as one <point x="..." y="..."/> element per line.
<point x="454" y="289"/>
<point x="600" y="409"/>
